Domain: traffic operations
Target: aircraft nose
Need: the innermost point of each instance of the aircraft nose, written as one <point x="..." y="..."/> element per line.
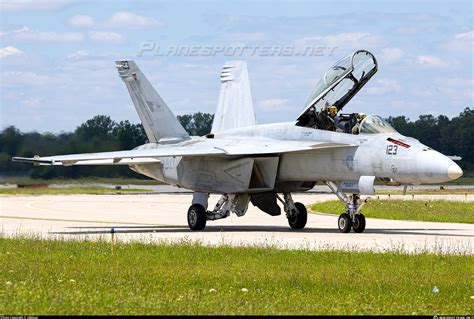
<point x="434" y="167"/>
<point x="454" y="171"/>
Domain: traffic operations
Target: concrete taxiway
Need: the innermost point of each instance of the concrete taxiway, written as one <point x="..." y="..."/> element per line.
<point x="162" y="217"/>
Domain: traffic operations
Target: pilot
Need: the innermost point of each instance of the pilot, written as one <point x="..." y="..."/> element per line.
<point x="326" y="118"/>
<point x="313" y="118"/>
<point x="335" y="120"/>
<point x="332" y="111"/>
<point x="356" y="127"/>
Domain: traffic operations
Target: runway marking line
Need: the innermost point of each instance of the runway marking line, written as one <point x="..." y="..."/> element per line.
<point x="80" y="221"/>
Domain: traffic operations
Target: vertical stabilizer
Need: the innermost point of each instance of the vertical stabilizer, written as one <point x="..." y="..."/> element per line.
<point x="235" y="108"/>
<point x="160" y="124"/>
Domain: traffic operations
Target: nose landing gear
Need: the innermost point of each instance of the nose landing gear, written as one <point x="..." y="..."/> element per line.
<point x="358" y="224"/>
<point x="352" y="218"/>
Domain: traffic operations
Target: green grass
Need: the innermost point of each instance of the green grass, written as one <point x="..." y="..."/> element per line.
<point x="436" y="191"/>
<point x="422" y="210"/>
<point x="39" y="277"/>
<point x="461" y="181"/>
<point x="68" y="191"/>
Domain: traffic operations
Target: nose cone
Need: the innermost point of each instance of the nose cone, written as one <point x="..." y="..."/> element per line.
<point x="454" y="171"/>
<point x="434" y="167"/>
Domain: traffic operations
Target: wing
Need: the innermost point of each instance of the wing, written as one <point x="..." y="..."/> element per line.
<point x="195" y="147"/>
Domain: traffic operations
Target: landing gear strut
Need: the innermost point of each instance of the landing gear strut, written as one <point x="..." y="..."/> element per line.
<point x="352" y="218"/>
<point x="295" y="212"/>
<point x="198" y="213"/>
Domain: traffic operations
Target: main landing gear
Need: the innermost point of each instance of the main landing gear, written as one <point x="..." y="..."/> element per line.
<point x="352" y="218"/>
<point x="295" y="212"/>
<point x="198" y="214"/>
<point x="197" y="217"/>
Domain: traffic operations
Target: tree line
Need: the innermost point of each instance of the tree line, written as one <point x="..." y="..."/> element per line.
<point x="101" y="134"/>
<point x="449" y="136"/>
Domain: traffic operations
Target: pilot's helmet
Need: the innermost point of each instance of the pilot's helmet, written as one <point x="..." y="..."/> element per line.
<point x="361" y="116"/>
<point x="332" y="110"/>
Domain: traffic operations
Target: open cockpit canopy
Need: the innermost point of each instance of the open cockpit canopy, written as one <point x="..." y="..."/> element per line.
<point x="342" y="81"/>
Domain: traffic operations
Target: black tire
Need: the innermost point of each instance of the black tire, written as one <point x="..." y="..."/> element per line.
<point x="196" y="217"/>
<point x="359" y="223"/>
<point x="344" y="223"/>
<point x="298" y="221"/>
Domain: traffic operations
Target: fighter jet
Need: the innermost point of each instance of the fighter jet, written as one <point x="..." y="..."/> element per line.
<point x="265" y="164"/>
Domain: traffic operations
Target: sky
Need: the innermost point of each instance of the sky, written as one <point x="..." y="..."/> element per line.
<point x="57" y="57"/>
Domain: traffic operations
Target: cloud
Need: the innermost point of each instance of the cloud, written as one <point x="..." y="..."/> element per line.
<point x="342" y="40"/>
<point x="35" y="5"/>
<point x="406" y="105"/>
<point x="353" y="38"/>
<point x="460" y="90"/>
<point x="272" y="103"/>
<point x="14" y="31"/>
<point x="24" y="34"/>
<point x="245" y="37"/>
<point x="390" y="55"/>
<point x="8" y="51"/>
<point x="81" y="21"/>
<point x="32" y="102"/>
<point x="430" y="60"/>
<point x="78" y="55"/>
<point x="117" y="20"/>
<point x="463" y="42"/>
<point x="22" y="79"/>
<point x="128" y="19"/>
<point x="384" y="86"/>
<point x="104" y="36"/>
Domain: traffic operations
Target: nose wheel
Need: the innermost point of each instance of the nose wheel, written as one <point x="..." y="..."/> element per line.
<point x="344" y="223"/>
<point x="352" y="218"/>
<point x="358" y="224"/>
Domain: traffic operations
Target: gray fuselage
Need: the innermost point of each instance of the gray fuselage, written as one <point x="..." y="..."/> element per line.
<point x="406" y="161"/>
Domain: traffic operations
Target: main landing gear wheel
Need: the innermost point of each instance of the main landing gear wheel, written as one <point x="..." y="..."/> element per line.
<point x="344" y="223"/>
<point x="358" y="225"/>
<point x="197" y="217"/>
<point x="298" y="220"/>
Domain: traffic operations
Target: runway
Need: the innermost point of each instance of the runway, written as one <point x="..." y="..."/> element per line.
<point x="162" y="218"/>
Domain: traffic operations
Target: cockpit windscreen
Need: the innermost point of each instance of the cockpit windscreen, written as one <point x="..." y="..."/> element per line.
<point x="374" y="124"/>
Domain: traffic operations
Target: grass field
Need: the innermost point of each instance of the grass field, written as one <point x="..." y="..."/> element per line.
<point x="68" y="190"/>
<point x="460" y="181"/>
<point x="422" y="210"/>
<point x="435" y="191"/>
<point x="39" y="277"/>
